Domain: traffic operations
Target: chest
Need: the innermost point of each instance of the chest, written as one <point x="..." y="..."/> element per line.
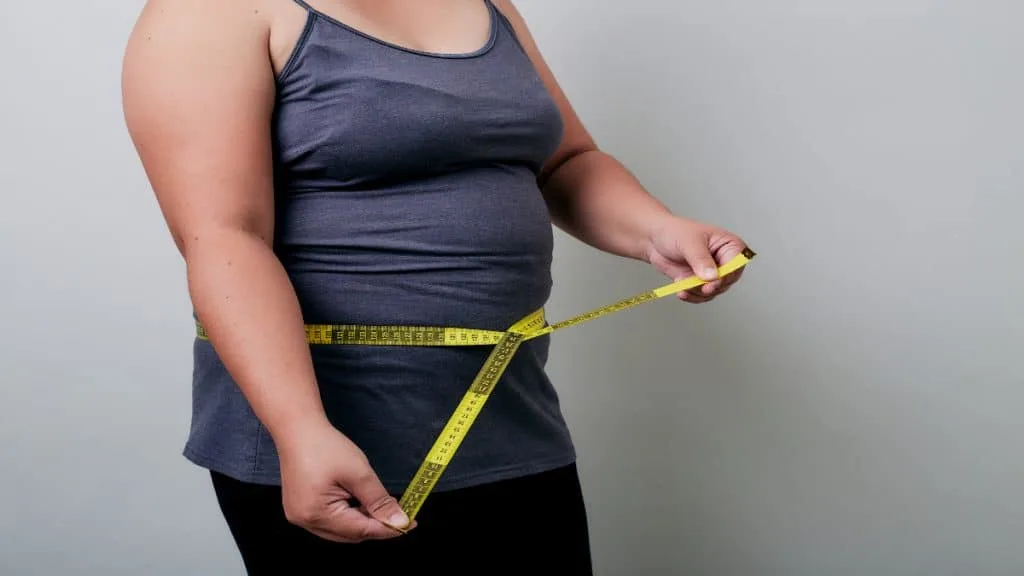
<point x="356" y="113"/>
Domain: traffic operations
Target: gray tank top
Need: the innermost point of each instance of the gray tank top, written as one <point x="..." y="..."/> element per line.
<point x="406" y="187"/>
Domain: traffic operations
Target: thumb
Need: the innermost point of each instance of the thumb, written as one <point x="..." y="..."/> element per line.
<point x="694" y="249"/>
<point x="378" y="503"/>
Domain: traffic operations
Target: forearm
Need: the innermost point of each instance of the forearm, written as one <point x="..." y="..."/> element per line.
<point x="594" y="198"/>
<point x="245" y="301"/>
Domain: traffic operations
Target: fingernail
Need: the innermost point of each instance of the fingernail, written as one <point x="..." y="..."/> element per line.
<point x="710" y="273"/>
<point x="398" y="519"/>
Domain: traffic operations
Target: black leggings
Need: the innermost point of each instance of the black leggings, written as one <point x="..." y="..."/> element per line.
<point x="536" y="523"/>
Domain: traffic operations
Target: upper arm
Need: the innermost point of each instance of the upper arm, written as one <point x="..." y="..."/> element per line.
<point x="575" y="139"/>
<point x="198" y="93"/>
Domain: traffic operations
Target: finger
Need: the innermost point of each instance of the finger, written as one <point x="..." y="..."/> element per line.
<point x="707" y="288"/>
<point x="710" y="288"/>
<point x="379" y="504"/>
<point x="697" y="292"/>
<point x="732" y="277"/>
<point x="330" y="536"/>
<point x="695" y="251"/>
<point x="337" y="522"/>
<point x="700" y="298"/>
<point x="694" y="298"/>
<point x="350" y="524"/>
<point x="726" y="247"/>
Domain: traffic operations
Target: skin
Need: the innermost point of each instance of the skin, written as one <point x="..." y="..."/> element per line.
<point x="198" y="92"/>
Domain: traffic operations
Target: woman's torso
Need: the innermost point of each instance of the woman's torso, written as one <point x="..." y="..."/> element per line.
<point x="408" y="181"/>
<point x="406" y="189"/>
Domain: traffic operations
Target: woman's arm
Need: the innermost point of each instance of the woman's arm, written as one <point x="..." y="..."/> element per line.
<point x="198" y="92"/>
<point x="594" y="198"/>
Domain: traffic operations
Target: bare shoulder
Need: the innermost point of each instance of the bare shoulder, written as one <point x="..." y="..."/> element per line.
<point x="509" y="10"/>
<point x="197" y="93"/>
<point x="179" y="19"/>
<point x="181" y="45"/>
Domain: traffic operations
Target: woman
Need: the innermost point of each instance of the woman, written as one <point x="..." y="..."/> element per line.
<point x="395" y="162"/>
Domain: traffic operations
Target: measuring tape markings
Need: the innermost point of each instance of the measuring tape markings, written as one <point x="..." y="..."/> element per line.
<point x="505" y="345"/>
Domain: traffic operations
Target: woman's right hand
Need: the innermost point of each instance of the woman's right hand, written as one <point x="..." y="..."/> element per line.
<point x="321" y="472"/>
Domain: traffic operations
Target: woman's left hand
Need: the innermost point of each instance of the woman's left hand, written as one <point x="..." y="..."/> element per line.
<point x="681" y="248"/>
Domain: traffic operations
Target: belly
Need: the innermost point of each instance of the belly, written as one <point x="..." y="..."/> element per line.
<point x="469" y="249"/>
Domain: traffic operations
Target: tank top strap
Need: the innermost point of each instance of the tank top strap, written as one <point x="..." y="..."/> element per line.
<point x="504" y="23"/>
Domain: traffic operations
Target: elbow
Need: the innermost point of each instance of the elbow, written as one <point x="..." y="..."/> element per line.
<point x="563" y="159"/>
<point x="220" y="240"/>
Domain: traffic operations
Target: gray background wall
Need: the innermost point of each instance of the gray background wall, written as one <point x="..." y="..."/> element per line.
<point x="851" y="410"/>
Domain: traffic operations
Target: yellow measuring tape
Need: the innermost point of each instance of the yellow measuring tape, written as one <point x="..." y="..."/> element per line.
<point x="505" y="345"/>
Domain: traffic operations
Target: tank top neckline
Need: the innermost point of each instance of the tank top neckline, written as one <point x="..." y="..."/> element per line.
<point x="492" y="35"/>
